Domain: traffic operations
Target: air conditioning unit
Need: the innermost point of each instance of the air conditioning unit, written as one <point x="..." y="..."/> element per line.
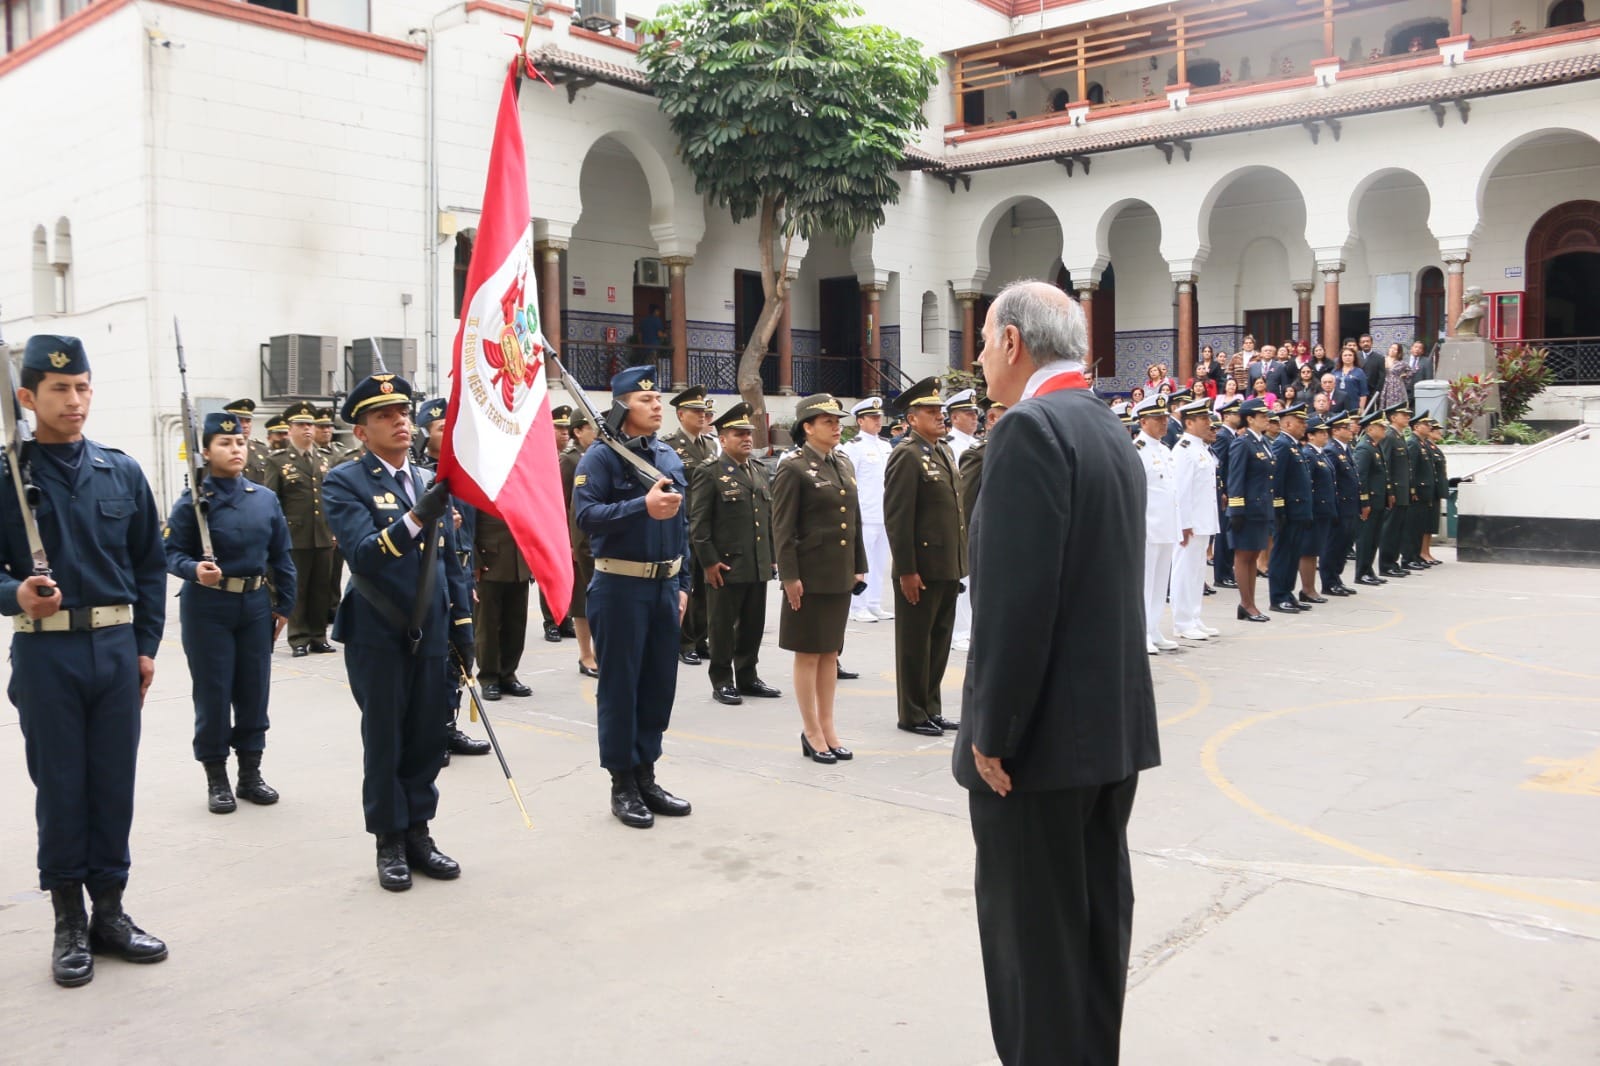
<point x="596" y="15"/>
<point x="650" y="272"/>
<point x="297" y="365"/>
<point x="399" y="355"/>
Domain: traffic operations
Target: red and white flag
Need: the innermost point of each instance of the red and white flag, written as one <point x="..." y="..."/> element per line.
<point x="499" y="450"/>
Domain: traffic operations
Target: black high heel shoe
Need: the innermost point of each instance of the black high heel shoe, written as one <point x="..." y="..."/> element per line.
<point x="588" y="671"/>
<point x="823" y="756"/>
<point x="842" y="754"/>
<point x="1246" y="616"/>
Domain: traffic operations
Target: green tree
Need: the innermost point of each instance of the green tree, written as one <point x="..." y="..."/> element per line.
<point x="786" y="113"/>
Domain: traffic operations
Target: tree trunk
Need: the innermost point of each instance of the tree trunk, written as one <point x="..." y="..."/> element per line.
<point x="774" y="288"/>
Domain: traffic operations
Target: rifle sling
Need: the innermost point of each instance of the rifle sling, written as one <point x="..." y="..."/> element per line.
<point x="386" y="608"/>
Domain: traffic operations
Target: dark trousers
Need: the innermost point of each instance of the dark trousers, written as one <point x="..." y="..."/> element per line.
<point x="313" y="577"/>
<point x="1341" y="535"/>
<point x="635" y="627"/>
<point x="696" y="620"/>
<point x="227" y="638"/>
<point x="501" y="625"/>
<point x="1222" y="549"/>
<point x="1283" y="565"/>
<point x="922" y="649"/>
<point x="1055" y="917"/>
<point x="738" y="620"/>
<point x="1393" y="535"/>
<point x="1418" y="515"/>
<point x="402" y="733"/>
<point x="1368" y="533"/>
<point x="77" y="700"/>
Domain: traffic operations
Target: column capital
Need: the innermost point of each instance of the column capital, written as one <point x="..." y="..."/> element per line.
<point x="1302" y="289"/>
<point x="677" y="262"/>
<point x="968" y="297"/>
<point x="874" y="290"/>
<point x="1087" y="289"/>
<point x="1455" y="261"/>
<point x="1185" y="281"/>
<point x="1330" y="268"/>
<point x="550" y="248"/>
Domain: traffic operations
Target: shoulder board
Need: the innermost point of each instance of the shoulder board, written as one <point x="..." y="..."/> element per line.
<point x="1185" y="442"/>
<point x="1139" y="443"/>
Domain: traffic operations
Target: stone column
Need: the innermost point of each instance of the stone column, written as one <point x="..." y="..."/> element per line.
<point x="873" y="355"/>
<point x="1186" y="325"/>
<point x="786" y="340"/>
<point x="676" y="267"/>
<point x="1086" y="301"/>
<point x="1454" y="282"/>
<point x="550" y="299"/>
<point x="1330" y="303"/>
<point x="969" y="327"/>
<point x="1302" y="292"/>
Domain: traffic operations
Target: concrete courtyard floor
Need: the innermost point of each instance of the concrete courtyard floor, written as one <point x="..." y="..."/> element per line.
<point x="1373" y="841"/>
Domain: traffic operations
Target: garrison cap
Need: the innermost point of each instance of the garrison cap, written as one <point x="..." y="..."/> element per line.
<point x="820" y="404"/>
<point x="431" y="411"/>
<point x="243" y="408"/>
<point x="634" y="379"/>
<point x="735" y="417"/>
<point x="1374" y="415"/>
<point x="691" y="399"/>
<point x="965" y="400"/>
<point x="561" y="416"/>
<point x="51" y="353"/>
<point x="220" y="422"/>
<point x="924" y="393"/>
<point x="379" y="390"/>
<point x="1253" y="406"/>
<point x="872" y="405"/>
<point x="304" y="412"/>
<point x="1152" y="407"/>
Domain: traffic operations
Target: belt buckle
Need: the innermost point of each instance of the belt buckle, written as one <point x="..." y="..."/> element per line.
<point x="652" y="571"/>
<point x="80" y="618"/>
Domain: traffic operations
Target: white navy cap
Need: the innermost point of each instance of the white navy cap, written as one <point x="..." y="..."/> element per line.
<point x="872" y="405"/>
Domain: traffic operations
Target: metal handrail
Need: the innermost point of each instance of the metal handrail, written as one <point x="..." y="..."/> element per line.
<point x="1524" y="454"/>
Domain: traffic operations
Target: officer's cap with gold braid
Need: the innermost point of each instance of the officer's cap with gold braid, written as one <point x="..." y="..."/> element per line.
<point x="379" y="390"/>
<point x="278" y="425"/>
<point x="634" y="379"/>
<point x="243" y="408"/>
<point x="989" y="403"/>
<point x="431" y="412"/>
<point x="962" y="401"/>
<point x="1374" y="414"/>
<point x="691" y="399"/>
<point x="223" y="422"/>
<point x="735" y="417"/>
<point x="924" y="393"/>
<point x="54" y="354"/>
<point x="1201" y="406"/>
<point x="324" y="416"/>
<point x="302" y="413"/>
<point x="1153" y="407"/>
<point x="872" y="405"/>
<point x="561" y="416"/>
<point x="814" y="406"/>
<point x="1339" y="418"/>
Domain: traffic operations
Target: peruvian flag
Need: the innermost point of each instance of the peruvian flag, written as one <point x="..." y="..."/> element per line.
<point x="499" y="448"/>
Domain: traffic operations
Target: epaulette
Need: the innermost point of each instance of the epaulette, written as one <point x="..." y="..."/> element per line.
<point x="1139" y="443"/>
<point x="1185" y="442"/>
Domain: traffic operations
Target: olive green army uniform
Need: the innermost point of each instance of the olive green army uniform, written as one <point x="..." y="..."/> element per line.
<point x="816" y="528"/>
<point x="693" y="451"/>
<point x="296" y="477"/>
<point x="730" y="522"/>
<point x="501" y="618"/>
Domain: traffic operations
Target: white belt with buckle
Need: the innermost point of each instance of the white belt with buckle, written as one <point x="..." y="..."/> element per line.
<point x="648" y="571"/>
<point x="241" y="584"/>
<point x="76" y="619"/>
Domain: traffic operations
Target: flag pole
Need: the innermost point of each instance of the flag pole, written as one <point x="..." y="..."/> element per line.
<point x="479" y="714"/>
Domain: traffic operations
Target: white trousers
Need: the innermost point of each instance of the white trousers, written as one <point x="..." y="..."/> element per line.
<point x="1157" y="571"/>
<point x="963" y="626"/>
<point x="1188" y="583"/>
<point x="876" y="540"/>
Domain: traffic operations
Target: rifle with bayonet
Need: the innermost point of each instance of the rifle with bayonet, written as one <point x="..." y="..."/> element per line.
<point x="196" y="461"/>
<point x="609" y="430"/>
<point x="16" y="433"/>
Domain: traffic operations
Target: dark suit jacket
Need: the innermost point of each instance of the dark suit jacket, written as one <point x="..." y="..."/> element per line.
<point x="1059" y="685"/>
<point x="1372" y="366"/>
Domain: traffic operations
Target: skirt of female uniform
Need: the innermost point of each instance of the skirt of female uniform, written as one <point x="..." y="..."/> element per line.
<point x="582" y="574"/>
<point x="817" y="628"/>
<point x="1253" y="537"/>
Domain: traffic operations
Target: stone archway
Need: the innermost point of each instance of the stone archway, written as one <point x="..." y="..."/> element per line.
<point x="1572" y="227"/>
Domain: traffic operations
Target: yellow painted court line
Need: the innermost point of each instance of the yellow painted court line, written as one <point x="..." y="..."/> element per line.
<point x="1453" y="635"/>
<point x="1202" y="698"/>
<point x="1208" y="761"/>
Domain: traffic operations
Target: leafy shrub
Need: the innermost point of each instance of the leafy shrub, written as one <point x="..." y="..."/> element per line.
<point x="1523" y="374"/>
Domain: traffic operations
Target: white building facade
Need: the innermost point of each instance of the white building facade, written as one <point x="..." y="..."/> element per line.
<point x="1192" y="170"/>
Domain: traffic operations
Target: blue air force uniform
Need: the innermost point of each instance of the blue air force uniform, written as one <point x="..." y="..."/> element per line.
<point x="1251" y="480"/>
<point x="1294" y="487"/>
<point x="1347" y="506"/>
<point x="1222" y="543"/>
<point x="75" y="675"/>
<point x="641" y="566"/>
<point x="1324" y="495"/>
<point x="227" y="629"/>
<point x="398" y="676"/>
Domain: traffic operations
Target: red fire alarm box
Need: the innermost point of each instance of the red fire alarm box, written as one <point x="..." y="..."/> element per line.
<point x="1505" y="315"/>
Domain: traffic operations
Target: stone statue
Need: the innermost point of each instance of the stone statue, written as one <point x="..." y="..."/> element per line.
<point x="1472" y="312"/>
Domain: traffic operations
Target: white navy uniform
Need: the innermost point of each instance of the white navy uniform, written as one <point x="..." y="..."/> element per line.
<point x="1195" y="469"/>
<point x="959" y="442"/>
<point x="1161" y="530"/>
<point x="870" y="457"/>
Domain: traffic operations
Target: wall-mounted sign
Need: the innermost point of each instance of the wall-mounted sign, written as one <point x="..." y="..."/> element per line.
<point x="1513" y="272"/>
<point x="611" y="294"/>
<point x="580" y="287"/>
<point x="611" y="333"/>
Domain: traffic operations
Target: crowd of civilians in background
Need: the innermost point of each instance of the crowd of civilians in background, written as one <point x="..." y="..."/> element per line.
<point x="1297" y="372"/>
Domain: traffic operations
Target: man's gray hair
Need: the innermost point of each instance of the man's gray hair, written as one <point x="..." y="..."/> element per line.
<point x="1049" y="321"/>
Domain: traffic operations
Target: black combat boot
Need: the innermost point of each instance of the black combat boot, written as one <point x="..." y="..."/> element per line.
<point x="219" y="796"/>
<point x="112" y="932"/>
<point x="424" y="855"/>
<point x="393" y="873"/>
<point x="658" y="799"/>
<point x="251" y="787"/>
<point x="626" y="802"/>
<point x="71" y="962"/>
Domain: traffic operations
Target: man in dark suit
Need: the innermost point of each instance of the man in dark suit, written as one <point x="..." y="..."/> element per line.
<point x="1372" y="365"/>
<point x="1054" y="729"/>
<point x="1338" y="399"/>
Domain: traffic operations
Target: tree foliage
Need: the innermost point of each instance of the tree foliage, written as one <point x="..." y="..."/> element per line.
<point x="787" y="113"/>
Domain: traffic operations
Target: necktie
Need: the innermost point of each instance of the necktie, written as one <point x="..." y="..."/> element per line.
<point x="404" y="482"/>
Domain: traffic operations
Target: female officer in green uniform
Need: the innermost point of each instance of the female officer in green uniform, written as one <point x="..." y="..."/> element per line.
<point x="816" y="520"/>
<point x="229" y="622"/>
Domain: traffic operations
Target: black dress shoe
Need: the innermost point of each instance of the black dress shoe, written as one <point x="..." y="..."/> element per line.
<point x="588" y="671"/>
<point x="301" y="652"/>
<point x="321" y="647"/>
<point x="822" y="755"/>
<point x="1227" y="583"/>
<point x="112" y="932"/>
<point x="688" y="658"/>
<point x="1287" y="607"/>
<point x="703" y="650"/>
<point x="727" y="694"/>
<point x="626" y="803"/>
<point x="458" y="743"/>
<point x="1346" y="590"/>
<point x="1304" y="598"/>
<point x="423" y="855"/>
<point x="71" y="961"/>
<point x="515" y="688"/>
<point x="491" y="691"/>
<point x="657" y="799"/>
<point x="1395" y="571"/>
<point x="568" y="631"/>
<point x="1368" y="579"/>
<point x="1209" y="591"/>
<point x="844" y="675"/>
<point x="1338" y="591"/>
<point x="927" y="729"/>
<point x="1434" y="562"/>
<point x="842" y="754"/>
<point x="394" y="875"/>
<point x="760" y="688"/>
<point x="552" y="633"/>
<point x="949" y="725"/>
<point x="1416" y="564"/>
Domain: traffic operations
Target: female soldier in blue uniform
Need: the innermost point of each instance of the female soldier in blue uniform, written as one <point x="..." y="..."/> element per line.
<point x="226" y="608"/>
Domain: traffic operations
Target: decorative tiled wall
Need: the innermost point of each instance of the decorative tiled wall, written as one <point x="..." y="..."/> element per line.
<point x="1386" y="331"/>
<point x="955" y="349"/>
<point x="1224" y="340"/>
<point x="714" y="336"/>
<point x="889" y="344"/>
<point x="592" y="325"/>
<point x="805" y="342"/>
<point x="1136" y="350"/>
